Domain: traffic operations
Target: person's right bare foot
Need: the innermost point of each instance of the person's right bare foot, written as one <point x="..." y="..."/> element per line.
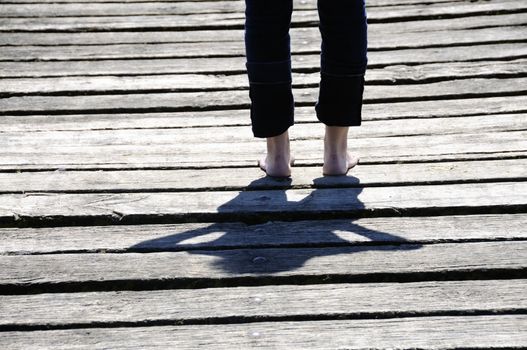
<point x="337" y="159"/>
<point x="277" y="161"/>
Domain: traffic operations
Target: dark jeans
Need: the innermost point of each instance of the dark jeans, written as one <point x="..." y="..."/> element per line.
<point x="342" y="63"/>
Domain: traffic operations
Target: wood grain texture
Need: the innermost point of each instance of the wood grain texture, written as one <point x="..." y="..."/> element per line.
<point x="300" y="132"/>
<point x="305" y="42"/>
<point x="195" y="82"/>
<point x="279" y="204"/>
<point x="73" y="9"/>
<point x="260" y="303"/>
<point x="485" y="106"/>
<point x="422" y="333"/>
<point x="377" y="31"/>
<point x="236" y="19"/>
<point x="185" y="268"/>
<point x="162" y="148"/>
<point x="235" y="48"/>
<point x="363" y="175"/>
<point x="370" y="2"/>
<point x="162" y="102"/>
<point x="203" y="236"/>
<point x="150" y="64"/>
<point x="379" y="36"/>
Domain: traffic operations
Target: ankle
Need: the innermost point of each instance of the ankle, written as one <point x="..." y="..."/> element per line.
<point x="278" y="146"/>
<point x="336" y="141"/>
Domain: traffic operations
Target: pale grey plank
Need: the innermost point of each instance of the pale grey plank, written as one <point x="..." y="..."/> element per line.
<point x="481" y="107"/>
<point x="236" y="48"/>
<point x="187" y="82"/>
<point x="391" y="35"/>
<point x="239" y="178"/>
<point x="426" y="333"/>
<point x="378" y="33"/>
<point x="301" y="132"/>
<point x="171" y="101"/>
<point x="73" y="9"/>
<point x="203" y="43"/>
<point x="153" y="148"/>
<point x="379" y="36"/>
<point x="149" y="64"/>
<point x="370" y="2"/>
<point x="232" y="19"/>
<point x="351" y="300"/>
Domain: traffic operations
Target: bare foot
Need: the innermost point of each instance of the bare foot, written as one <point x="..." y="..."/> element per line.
<point x="277" y="162"/>
<point x="337" y="159"/>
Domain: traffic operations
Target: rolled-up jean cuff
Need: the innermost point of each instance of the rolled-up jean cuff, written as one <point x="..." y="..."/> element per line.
<point x="342" y="70"/>
<point x="269" y="72"/>
<point x="272" y="108"/>
<point x="340" y="100"/>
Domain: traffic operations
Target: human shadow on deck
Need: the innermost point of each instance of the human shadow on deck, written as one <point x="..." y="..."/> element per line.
<point x="286" y="239"/>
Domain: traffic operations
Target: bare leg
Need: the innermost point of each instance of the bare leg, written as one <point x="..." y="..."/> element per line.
<point x="337" y="159"/>
<point x="277" y="161"/>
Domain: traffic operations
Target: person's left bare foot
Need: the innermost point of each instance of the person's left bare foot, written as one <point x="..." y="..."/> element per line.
<point x="338" y="164"/>
<point x="337" y="159"/>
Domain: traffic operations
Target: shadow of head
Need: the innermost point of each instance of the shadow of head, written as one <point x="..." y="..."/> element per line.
<point x="270" y="227"/>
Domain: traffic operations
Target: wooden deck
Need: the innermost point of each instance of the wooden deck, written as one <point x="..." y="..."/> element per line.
<point x="133" y="216"/>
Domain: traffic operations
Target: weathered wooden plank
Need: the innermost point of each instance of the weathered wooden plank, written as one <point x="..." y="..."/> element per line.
<point x="89" y="151"/>
<point x="426" y="333"/>
<point x="235" y="99"/>
<point x="236" y="19"/>
<point x="258" y="205"/>
<point x="88" y="271"/>
<point x="200" y="82"/>
<point x="370" y="2"/>
<point x="239" y="178"/>
<point x="379" y="35"/>
<point x="248" y="303"/>
<point x="73" y="9"/>
<point x="222" y="65"/>
<point x="377" y="38"/>
<point x="242" y="134"/>
<point x="304" y="44"/>
<point x="204" y="236"/>
<point x="183" y="146"/>
<point x="132" y="1"/>
<point x="379" y="111"/>
<point x="236" y="48"/>
<point x="126" y="9"/>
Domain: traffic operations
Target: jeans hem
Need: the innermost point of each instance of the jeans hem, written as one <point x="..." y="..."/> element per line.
<point x="272" y="133"/>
